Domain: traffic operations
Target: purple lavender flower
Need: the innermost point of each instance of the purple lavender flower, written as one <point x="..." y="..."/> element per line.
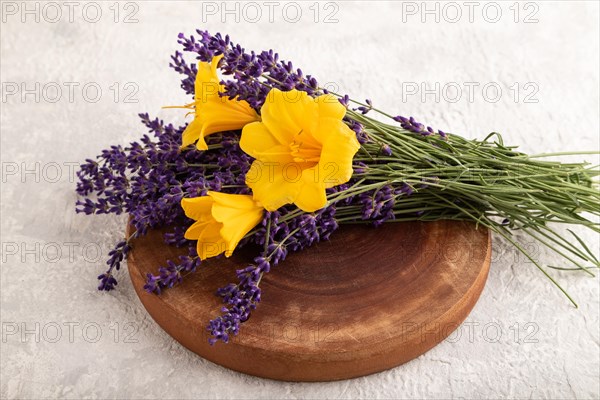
<point x="179" y="65"/>
<point x="345" y="100"/>
<point x="116" y="255"/>
<point x="378" y="205"/>
<point x="173" y="273"/>
<point x="410" y="124"/>
<point x="107" y="281"/>
<point x="361" y="135"/>
<point x="241" y="298"/>
<point x="367" y="108"/>
<point x="386" y="150"/>
<point x="404" y="190"/>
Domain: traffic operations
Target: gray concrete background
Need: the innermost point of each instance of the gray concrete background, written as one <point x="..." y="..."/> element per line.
<point x="523" y="339"/>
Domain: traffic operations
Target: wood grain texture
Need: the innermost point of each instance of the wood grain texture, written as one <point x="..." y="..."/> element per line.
<point x="365" y="301"/>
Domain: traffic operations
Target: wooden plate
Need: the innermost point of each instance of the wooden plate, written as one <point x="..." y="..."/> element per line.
<point x="365" y="301"/>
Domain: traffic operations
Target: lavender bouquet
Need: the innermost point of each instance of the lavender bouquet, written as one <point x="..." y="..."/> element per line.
<point x="273" y="159"/>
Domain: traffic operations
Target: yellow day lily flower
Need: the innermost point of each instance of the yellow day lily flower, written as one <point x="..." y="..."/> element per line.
<point x="214" y="113"/>
<point x="222" y="220"/>
<point x="301" y="147"/>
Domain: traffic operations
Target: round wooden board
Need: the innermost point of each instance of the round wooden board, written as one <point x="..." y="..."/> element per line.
<point x="365" y="301"/>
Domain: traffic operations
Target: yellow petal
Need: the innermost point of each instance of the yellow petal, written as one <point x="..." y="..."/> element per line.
<point x="256" y="138"/>
<point x="210" y="243"/>
<point x="197" y="208"/>
<point x="339" y="148"/>
<point x="195" y="230"/>
<point x="207" y="81"/>
<point x="330" y="107"/>
<point x="277" y="185"/>
<point x="274" y="184"/>
<point x="312" y="196"/>
<point x="286" y="114"/>
<point x="238" y="214"/>
<point x="258" y="142"/>
<point x="201" y="144"/>
<point x="242" y="107"/>
<point x="191" y="133"/>
<point x="238" y="201"/>
<point x="227" y="115"/>
<point x="237" y="227"/>
<point x="221" y="117"/>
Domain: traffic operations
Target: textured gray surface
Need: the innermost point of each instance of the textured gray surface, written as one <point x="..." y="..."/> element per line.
<point x="523" y="339"/>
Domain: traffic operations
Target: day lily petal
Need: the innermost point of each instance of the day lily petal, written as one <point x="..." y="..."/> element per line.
<point x="207" y="83"/>
<point x="285" y="114"/>
<point x="195" y="230"/>
<point x="279" y="185"/>
<point x="259" y="142"/>
<point x="257" y="138"/>
<point x="193" y="133"/>
<point x="221" y="115"/>
<point x="272" y="186"/>
<point x="210" y="242"/>
<point x="330" y="107"/>
<point x="335" y="166"/>
<point x="312" y="195"/>
<point x="238" y="226"/>
<point x="197" y="208"/>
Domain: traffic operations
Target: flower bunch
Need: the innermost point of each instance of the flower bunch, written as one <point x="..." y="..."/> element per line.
<point x="272" y="158"/>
